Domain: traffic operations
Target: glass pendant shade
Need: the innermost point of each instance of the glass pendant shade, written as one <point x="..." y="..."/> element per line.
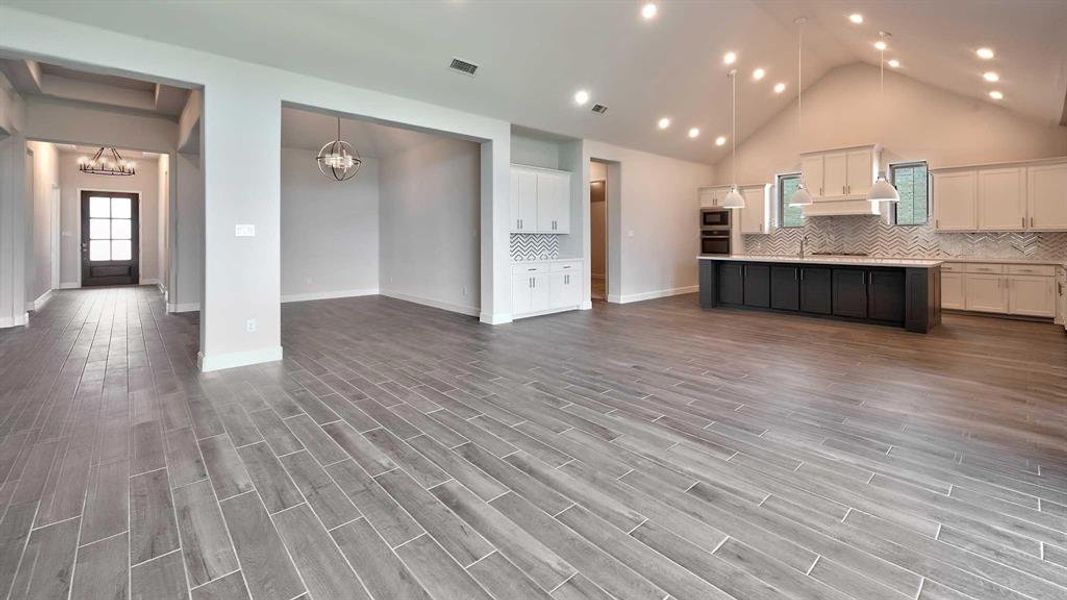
<point x="801" y="197"/>
<point x="883" y="191"/>
<point x="733" y="199"/>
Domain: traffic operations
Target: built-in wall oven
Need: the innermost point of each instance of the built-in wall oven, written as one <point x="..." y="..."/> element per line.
<point x="715" y="231"/>
<point x="714" y="219"/>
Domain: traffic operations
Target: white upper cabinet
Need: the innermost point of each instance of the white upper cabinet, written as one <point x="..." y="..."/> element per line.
<point x="1002" y="199"/>
<point x="861" y="172"/>
<point x="1011" y="197"/>
<point x="835" y="175"/>
<point x="540" y="200"/>
<point x="811" y="170"/>
<point x="839" y="180"/>
<point x="755" y="216"/>
<point x="955" y="199"/>
<point x="711" y="196"/>
<point x="1046" y="193"/>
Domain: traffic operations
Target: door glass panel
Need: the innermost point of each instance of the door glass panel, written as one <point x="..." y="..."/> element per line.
<point x="99" y="207"/>
<point x="120" y="208"/>
<point x="99" y="250"/>
<point x="99" y="229"/>
<point x="120" y="229"/>
<point x="121" y="250"/>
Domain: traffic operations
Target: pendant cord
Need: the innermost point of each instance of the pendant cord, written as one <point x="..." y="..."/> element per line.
<point x="733" y="136"/>
<point x="800" y="82"/>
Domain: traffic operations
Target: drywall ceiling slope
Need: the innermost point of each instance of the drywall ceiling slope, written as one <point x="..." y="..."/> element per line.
<point x="535" y="55"/>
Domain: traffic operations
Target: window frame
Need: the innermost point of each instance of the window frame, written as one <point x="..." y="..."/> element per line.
<point x="893" y="180"/>
<point x="780" y="191"/>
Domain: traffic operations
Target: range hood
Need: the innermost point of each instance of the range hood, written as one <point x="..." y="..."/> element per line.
<point x="834" y="207"/>
<point x="840" y="180"/>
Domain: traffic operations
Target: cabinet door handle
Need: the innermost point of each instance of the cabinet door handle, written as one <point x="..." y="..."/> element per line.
<point x="801" y="274"/>
<point x="1024" y="222"/>
<point x="1031" y="222"/>
<point x="795" y="274"/>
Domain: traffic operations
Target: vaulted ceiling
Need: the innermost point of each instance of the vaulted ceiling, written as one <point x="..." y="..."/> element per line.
<point x="534" y="56"/>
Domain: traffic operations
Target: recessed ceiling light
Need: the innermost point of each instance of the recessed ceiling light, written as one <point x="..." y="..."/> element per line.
<point x="649" y="10"/>
<point x="663" y="123"/>
<point x="694" y="132"/>
<point x="856" y="18"/>
<point x="991" y="76"/>
<point x="721" y="140"/>
<point x="758" y="74"/>
<point x="881" y="45"/>
<point x="996" y="95"/>
<point x="729" y="58"/>
<point x="893" y="63"/>
<point x="779" y="88"/>
<point x="581" y="97"/>
<point x="985" y="53"/>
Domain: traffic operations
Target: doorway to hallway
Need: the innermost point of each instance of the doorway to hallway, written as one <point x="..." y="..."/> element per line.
<point x="109" y="238"/>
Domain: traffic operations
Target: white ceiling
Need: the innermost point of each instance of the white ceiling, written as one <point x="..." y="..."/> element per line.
<point x="535" y="55"/>
<point x="309" y="130"/>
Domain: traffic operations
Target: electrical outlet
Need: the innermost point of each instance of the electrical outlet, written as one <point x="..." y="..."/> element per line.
<point x="245" y="230"/>
<point x="250" y="325"/>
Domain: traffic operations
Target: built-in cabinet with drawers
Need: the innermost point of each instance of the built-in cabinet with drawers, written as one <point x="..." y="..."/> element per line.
<point x="1013" y="288"/>
<point x="539" y="288"/>
<point x="540" y="200"/>
<point x="1010" y="197"/>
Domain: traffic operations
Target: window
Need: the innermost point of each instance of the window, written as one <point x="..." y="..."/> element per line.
<point x="110" y="229"/>
<point x="789" y="216"/>
<point x="913" y="185"/>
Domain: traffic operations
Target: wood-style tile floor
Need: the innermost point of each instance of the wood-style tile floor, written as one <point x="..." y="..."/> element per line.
<point x="643" y="451"/>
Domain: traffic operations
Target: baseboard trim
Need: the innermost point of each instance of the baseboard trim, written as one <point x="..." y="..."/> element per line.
<point x="328" y="295"/>
<point x="16" y="321"/>
<point x="69" y="285"/>
<point x="39" y="303"/>
<point x="180" y="308"/>
<point x="456" y="308"/>
<point x="495" y="319"/>
<point x="216" y="362"/>
<point x="620" y="299"/>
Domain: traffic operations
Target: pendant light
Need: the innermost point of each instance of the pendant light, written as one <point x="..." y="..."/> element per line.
<point x="882" y="190"/>
<point x="733" y="198"/>
<point x="800" y="197"/>
<point x="337" y="159"/>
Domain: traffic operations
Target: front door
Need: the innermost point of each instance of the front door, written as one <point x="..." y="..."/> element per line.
<point x="109" y="238"/>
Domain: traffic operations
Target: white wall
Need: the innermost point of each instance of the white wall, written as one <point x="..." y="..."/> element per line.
<point x="329" y="230"/>
<point x="537" y="152"/>
<point x="46" y="173"/>
<point x="186" y="288"/>
<point x="430" y="222"/>
<point x="915" y="122"/>
<point x="67" y="121"/>
<point x="652" y="219"/>
<point x="12" y="207"/>
<point x="163" y="198"/>
<point x="145" y="183"/>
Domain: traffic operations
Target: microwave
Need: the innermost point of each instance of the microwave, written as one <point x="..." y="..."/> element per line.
<point x="715" y="219"/>
<point x="715" y="242"/>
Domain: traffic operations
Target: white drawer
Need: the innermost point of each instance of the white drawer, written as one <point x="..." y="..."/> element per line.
<point x="568" y="266"/>
<point x="952" y="267"/>
<point x="984" y="268"/>
<point x="531" y="267"/>
<point x="1042" y="270"/>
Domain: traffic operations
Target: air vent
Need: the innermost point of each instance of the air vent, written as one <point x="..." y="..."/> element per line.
<point x="461" y="66"/>
<point x="600" y="109"/>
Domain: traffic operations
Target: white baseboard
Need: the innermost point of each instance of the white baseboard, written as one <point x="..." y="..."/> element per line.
<point x="180" y="308"/>
<point x="619" y="299"/>
<point x="456" y="308"/>
<point x="39" y="303"/>
<point x="587" y="305"/>
<point x="69" y="285"/>
<point x="495" y="319"/>
<point x="328" y="295"/>
<point x="550" y="311"/>
<point x="16" y="321"/>
<point x="230" y="360"/>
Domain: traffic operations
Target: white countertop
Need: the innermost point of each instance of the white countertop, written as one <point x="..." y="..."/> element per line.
<point x="863" y="261"/>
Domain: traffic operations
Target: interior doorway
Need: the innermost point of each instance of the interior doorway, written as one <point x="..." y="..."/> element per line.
<point x="598" y="230"/>
<point x="109" y="238"/>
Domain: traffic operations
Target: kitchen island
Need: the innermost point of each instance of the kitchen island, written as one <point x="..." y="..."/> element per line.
<point x="899" y="292"/>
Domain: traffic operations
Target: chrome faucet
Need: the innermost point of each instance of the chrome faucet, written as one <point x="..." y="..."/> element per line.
<point x="803" y="241"/>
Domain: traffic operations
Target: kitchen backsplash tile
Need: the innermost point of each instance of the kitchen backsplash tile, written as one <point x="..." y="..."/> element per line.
<point x="875" y="237"/>
<point x="534" y="246"/>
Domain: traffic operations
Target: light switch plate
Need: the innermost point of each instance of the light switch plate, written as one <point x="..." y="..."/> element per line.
<point x="245" y="231"/>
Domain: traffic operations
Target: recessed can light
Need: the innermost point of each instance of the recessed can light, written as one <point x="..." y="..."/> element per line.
<point x="581" y="97"/>
<point x="856" y="18"/>
<point x="721" y="140"/>
<point x="881" y="45"/>
<point x="779" y="88"/>
<point x="649" y="10"/>
<point x="893" y="63"/>
<point x="729" y="58"/>
<point x="663" y="123"/>
<point x="985" y="53"/>
<point x="694" y="132"/>
<point x="996" y="95"/>
<point x="759" y="74"/>
<point x="991" y="76"/>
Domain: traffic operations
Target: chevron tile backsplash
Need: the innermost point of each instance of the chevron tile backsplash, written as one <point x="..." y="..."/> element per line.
<point x="534" y="246"/>
<point x="877" y="238"/>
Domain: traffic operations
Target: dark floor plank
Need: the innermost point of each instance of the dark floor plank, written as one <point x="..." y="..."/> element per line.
<point x="330" y="504"/>
<point x="380" y="570"/>
<point x="161" y="578"/>
<point x="382" y="511"/>
<point x="264" y="561"/>
<point x="153" y="531"/>
<point x="271" y="481"/>
<point x="205" y="542"/>
<point x="102" y="570"/>
<point x="439" y="573"/>
<point x="224" y="466"/>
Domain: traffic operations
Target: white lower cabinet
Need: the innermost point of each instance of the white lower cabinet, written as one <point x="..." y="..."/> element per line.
<point x="541" y="288"/>
<point x="952" y="291"/>
<point x="1032" y="296"/>
<point x="986" y="293"/>
<point x="1015" y="289"/>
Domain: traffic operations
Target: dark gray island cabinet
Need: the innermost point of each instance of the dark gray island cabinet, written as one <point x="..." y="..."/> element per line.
<point x="904" y="293"/>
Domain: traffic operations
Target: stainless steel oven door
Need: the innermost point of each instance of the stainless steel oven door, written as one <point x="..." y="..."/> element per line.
<point x="715" y="242"/>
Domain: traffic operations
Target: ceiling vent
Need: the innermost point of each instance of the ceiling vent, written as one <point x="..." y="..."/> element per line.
<point x="600" y="109"/>
<point x="461" y="66"/>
